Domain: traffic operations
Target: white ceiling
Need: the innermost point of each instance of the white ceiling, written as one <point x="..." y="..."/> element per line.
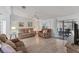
<point x="47" y="11"/>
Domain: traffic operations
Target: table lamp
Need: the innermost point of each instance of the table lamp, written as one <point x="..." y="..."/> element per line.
<point x="13" y="32"/>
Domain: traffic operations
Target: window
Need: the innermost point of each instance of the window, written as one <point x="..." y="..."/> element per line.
<point x="3" y="26"/>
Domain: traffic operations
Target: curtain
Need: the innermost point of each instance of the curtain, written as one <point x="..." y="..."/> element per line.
<point x="3" y="26"/>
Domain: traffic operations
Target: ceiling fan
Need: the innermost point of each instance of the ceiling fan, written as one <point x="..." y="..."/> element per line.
<point x="24" y="7"/>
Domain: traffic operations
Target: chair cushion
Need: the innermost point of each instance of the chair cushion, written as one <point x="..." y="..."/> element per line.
<point x="44" y="31"/>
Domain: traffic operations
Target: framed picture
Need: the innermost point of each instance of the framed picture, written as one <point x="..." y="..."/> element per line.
<point x="29" y="24"/>
<point x="21" y="24"/>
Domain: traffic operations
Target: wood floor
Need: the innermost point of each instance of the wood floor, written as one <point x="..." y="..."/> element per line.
<point x="40" y="45"/>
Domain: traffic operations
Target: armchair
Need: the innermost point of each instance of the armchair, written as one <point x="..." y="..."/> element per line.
<point x="45" y="33"/>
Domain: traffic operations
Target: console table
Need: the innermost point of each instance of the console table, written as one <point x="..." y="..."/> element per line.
<point x="13" y="35"/>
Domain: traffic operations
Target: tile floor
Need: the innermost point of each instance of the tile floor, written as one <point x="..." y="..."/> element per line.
<point x="40" y="45"/>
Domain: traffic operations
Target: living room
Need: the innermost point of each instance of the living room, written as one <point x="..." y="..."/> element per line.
<point x="38" y="29"/>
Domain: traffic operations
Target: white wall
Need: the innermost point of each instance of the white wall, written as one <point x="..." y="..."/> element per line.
<point x="16" y="19"/>
<point x="53" y="23"/>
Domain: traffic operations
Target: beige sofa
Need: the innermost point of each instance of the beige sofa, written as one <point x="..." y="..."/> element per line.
<point x="15" y="43"/>
<point x="26" y="33"/>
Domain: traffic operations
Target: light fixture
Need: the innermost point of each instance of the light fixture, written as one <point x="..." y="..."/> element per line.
<point x="13" y="28"/>
<point x="23" y="7"/>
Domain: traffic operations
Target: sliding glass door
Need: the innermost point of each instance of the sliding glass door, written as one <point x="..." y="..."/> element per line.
<point x="65" y="28"/>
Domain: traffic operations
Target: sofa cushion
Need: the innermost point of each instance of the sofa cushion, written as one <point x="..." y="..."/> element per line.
<point x="22" y="30"/>
<point x="11" y="44"/>
<point x="44" y="31"/>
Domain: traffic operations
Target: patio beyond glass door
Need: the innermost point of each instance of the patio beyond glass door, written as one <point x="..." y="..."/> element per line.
<point x="64" y="29"/>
